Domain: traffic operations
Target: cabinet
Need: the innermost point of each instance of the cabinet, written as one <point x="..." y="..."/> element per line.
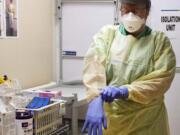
<point x="78" y="22"/>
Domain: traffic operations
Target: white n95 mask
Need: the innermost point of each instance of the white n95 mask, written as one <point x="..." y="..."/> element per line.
<point x="132" y="22"/>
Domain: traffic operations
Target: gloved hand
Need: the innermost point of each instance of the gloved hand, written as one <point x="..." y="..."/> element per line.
<point x="95" y="117"/>
<point x="110" y="93"/>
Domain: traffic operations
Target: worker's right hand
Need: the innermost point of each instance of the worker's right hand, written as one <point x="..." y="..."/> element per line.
<point x="95" y="117"/>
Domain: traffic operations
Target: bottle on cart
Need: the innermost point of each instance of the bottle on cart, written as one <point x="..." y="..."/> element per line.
<point x="24" y="122"/>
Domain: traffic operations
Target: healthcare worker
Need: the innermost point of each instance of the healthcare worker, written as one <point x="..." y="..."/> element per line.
<point x="128" y="69"/>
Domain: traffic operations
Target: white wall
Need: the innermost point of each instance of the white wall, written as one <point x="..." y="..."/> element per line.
<point x="173" y="107"/>
<point x="29" y="57"/>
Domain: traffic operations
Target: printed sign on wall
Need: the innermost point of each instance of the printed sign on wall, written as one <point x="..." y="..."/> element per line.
<point x="8" y="18"/>
<point x="165" y="16"/>
<point x="1" y="18"/>
<point x="170" y="22"/>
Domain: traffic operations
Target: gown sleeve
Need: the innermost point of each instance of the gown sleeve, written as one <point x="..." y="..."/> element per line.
<point x="155" y="84"/>
<point x="94" y="74"/>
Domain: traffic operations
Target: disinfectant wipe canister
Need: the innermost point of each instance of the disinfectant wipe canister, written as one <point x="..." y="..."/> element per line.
<point x="24" y="122"/>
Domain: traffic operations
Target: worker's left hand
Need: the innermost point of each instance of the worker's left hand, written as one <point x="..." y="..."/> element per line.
<point x="95" y="117"/>
<point x="110" y="93"/>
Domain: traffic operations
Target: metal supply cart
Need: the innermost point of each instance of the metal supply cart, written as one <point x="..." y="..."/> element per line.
<point x="74" y="95"/>
<point x="48" y="119"/>
<point x="63" y="130"/>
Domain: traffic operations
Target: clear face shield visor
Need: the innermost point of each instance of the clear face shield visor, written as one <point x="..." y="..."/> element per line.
<point x="139" y="3"/>
<point x="131" y="14"/>
<point x="138" y="7"/>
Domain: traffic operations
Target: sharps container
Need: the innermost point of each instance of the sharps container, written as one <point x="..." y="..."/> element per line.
<point x="24" y="122"/>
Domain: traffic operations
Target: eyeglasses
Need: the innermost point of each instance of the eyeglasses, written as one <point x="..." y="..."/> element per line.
<point x="135" y="10"/>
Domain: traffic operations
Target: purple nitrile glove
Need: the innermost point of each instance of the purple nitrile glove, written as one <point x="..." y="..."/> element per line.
<point x="95" y="117"/>
<point x="110" y="93"/>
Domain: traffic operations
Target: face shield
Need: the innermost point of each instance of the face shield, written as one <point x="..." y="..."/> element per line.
<point x="133" y="14"/>
<point x="138" y="3"/>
